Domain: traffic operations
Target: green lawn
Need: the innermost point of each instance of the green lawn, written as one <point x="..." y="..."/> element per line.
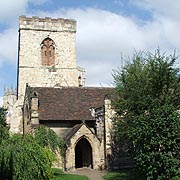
<point x="122" y="175"/>
<point x="119" y="175"/>
<point x="60" y="175"/>
<point x="126" y="175"/>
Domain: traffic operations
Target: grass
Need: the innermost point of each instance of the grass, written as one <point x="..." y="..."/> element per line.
<point x="127" y="175"/>
<point x="118" y="175"/>
<point x="60" y="175"/>
<point x="122" y="175"/>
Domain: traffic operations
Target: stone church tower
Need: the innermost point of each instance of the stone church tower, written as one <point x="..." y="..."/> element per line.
<point x="46" y="58"/>
<point x="47" y="54"/>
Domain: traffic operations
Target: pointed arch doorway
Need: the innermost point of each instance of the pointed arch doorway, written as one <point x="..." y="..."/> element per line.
<point x="83" y="154"/>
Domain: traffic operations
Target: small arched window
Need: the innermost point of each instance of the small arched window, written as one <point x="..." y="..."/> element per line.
<point x="48" y="52"/>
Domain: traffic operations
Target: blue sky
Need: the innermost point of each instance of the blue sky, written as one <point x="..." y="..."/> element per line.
<point x="106" y="30"/>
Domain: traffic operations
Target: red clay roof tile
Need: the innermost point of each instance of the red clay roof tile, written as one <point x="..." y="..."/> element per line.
<point x="70" y="103"/>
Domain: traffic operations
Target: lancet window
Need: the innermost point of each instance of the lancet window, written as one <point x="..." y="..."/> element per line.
<point x="48" y="52"/>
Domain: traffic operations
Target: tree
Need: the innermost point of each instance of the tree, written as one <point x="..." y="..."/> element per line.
<point x="147" y="119"/>
<point x="3" y="117"/>
<point x="22" y="158"/>
<point x="28" y="156"/>
<point x="4" y="131"/>
<point x="47" y="138"/>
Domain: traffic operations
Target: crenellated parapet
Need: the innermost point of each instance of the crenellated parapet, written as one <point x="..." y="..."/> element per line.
<point x="10" y="91"/>
<point x="47" y="23"/>
<point x="10" y="97"/>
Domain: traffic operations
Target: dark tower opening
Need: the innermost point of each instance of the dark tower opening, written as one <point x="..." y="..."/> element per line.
<point x="83" y="154"/>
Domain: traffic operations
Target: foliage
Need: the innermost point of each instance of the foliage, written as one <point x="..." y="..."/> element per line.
<point x="46" y="137"/>
<point x="26" y="156"/>
<point x="59" y="175"/>
<point x="176" y="178"/>
<point x="23" y="157"/>
<point x="147" y="107"/>
<point x="2" y="117"/>
<point x="4" y="132"/>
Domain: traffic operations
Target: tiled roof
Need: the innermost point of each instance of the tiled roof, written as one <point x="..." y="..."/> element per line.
<point x="72" y="131"/>
<point x="69" y="103"/>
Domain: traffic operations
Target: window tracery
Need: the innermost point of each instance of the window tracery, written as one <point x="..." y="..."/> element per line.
<point x="48" y="52"/>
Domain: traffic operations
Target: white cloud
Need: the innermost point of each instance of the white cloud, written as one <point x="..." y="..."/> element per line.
<point x="102" y="36"/>
<point x="8" y="45"/>
<point x="10" y="10"/>
<point x="159" y="8"/>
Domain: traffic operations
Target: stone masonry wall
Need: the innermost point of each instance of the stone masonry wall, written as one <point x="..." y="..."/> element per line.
<point x="62" y="72"/>
<point x="32" y="32"/>
<point x="96" y="145"/>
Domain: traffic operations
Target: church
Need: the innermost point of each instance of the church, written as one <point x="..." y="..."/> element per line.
<point x="51" y="91"/>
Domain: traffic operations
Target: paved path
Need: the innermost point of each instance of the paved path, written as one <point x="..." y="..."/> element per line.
<point x="90" y="173"/>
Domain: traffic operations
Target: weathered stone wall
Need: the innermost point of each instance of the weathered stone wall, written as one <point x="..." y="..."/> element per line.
<point x="96" y="144"/>
<point x="61" y="127"/>
<point x="109" y="114"/>
<point x="32" y="32"/>
<point x="9" y="99"/>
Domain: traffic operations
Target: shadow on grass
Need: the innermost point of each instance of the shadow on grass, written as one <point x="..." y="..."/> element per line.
<point x="123" y="175"/>
<point x="60" y="175"/>
<point x="127" y="175"/>
<point x="57" y="171"/>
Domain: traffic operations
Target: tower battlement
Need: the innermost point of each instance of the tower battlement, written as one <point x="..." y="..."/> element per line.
<point x="9" y="98"/>
<point x="10" y="91"/>
<point x="47" y="23"/>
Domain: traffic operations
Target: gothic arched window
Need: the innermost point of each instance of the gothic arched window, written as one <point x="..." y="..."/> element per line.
<point x="48" y="52"/>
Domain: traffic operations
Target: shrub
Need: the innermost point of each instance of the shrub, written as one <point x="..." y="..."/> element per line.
<point x="23" y="157"/>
